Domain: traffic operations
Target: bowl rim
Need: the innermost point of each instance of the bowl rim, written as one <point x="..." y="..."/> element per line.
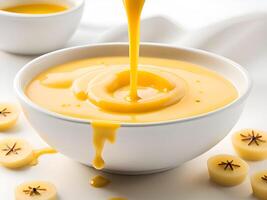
<point x="78" y="5"/>
<point x="19" y="89"/>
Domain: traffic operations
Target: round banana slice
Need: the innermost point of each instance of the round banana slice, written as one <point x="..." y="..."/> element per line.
<point x="227" y="170"/>
<point x="259" y="184"/>
<point x="15" y="153"/>
<point x="36" y="190"/>
<point x="8" y="116"/>
<point x="250" y="144"/>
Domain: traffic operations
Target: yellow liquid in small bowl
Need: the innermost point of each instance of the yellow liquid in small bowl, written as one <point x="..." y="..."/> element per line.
<point x="36" y="9"/>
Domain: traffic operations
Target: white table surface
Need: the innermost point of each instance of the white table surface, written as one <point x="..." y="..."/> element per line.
<point x="189" y="181"/>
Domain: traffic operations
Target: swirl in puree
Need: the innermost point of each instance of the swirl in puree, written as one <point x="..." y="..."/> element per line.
<point x="108" y="91"/>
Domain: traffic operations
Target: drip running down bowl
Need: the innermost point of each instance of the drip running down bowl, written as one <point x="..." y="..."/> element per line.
<point x="140" y="148"/>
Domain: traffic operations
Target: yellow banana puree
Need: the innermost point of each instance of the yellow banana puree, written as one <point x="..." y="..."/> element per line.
<point x="97" y="89"/>
<point x="36" y="8"/>
<point x="108" y="91"/>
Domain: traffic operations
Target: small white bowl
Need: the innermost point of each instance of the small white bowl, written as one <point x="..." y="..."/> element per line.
<point x="37" y="34"/>
<point x="144" y="147"/>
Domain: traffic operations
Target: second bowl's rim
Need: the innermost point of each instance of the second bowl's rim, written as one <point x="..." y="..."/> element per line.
<point x="21" y="94"/>
<point x="78" y="5"/>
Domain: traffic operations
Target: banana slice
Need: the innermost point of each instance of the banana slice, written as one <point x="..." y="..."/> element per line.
<point x="16" y="153"/>
<point x="250" y="144"/>
<point x="259" y="185"/>
<point x="227" y="170"/>
<point x="36" y="190"/>
<point x="8" y="116"/>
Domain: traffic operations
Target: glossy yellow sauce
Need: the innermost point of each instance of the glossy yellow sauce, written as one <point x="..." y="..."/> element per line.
<point x="66" y="87"/>
<point x="36" y="8"/>
<point x="133" y="11"/>
<point x="108" y="91"/>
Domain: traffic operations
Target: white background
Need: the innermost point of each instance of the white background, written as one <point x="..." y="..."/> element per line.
<point x="189" y="181"/>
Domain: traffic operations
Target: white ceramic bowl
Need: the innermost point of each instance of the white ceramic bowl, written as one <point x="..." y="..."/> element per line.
<point x="37" y="34"/>
<point x="140" y="148"/>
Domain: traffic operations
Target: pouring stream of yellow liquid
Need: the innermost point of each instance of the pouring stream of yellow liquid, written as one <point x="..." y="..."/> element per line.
<point x="134" y="9"/>
<point x="106" y="131"/>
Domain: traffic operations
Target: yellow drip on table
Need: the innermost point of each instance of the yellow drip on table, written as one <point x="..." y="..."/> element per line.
<point x="99" y="181"/>
<point x="36" y="8"/>
<point x="17" y="153"/>
<point x="104" y="91"/>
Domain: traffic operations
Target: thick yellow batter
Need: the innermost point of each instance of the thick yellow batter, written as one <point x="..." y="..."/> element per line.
<point x="36" y="9"/>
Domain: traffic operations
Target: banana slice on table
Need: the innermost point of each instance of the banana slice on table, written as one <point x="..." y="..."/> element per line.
<point x="250" y="144"/>
<point x="9" y="114"/>
<point x="227" y="170"/>
<point x="259" y="184"/>
<point x="17" y="153"/>
<point x="36" y="190"/>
